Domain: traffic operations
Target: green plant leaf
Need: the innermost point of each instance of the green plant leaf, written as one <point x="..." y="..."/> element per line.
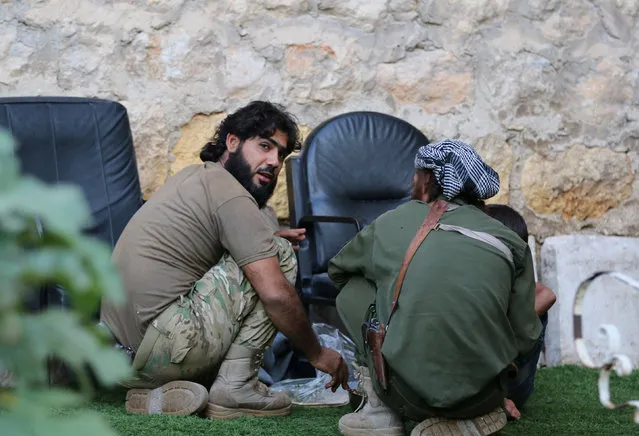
<point x="60" y="333"/>
<point x="63" y="256"/>
<point x="9" y="167"/>
<point x="48" y="399"/>
<point x="61" y="208"/>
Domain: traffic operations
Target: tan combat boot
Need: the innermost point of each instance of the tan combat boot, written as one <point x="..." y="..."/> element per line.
<point x="372" y="417"/>
<point x="173" y="398"/>
<point x="483" y="425"/>
<point x="238" y="392"/>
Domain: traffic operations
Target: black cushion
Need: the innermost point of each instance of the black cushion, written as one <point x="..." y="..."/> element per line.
<point x="86" y="142"/>
<point x="359" y="164"/>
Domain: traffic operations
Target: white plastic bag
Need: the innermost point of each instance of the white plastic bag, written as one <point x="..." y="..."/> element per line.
<point x="311" y="391"/>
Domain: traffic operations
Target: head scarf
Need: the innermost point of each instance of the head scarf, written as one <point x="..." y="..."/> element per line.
<point x="458" y="169"/>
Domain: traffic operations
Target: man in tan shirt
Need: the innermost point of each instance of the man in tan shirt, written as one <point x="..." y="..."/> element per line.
<point x="208" y="283"/>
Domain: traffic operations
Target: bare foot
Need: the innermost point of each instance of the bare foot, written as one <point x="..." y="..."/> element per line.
<point x="511" y="409"/>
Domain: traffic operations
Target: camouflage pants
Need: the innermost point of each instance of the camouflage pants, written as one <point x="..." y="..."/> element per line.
<point x="189" y="340"/>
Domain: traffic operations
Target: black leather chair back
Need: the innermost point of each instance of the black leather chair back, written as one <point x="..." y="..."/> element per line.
<point x="356" y="165"/>
<point x="85" y="142"/>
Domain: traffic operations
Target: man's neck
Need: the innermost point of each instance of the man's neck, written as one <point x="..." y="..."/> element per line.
<point x="224" y="158"/>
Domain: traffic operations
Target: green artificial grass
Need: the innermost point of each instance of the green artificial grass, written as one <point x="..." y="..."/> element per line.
<point x="565" y="402"/>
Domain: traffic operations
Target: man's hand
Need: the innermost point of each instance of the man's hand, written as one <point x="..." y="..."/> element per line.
<point x="544" y="298"/>
<point x="284" y="308"/>
<point x="331" y="362"/>
<point x="294" y="236"/>
<point x="511" y="410"/>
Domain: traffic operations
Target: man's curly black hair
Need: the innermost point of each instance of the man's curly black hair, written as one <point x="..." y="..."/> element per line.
<point x="258" y="118"/>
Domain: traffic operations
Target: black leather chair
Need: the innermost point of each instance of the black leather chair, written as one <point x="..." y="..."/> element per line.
<point x="352" y="168"/>
<point x="85" y="142"/>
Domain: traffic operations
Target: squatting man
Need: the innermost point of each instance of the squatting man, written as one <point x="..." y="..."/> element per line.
<point x="208" y="284"/>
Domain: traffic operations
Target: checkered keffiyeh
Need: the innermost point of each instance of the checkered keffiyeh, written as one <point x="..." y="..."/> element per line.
<point x="458" y="169"/>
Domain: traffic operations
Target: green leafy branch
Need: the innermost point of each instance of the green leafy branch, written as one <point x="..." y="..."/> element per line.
<point x="82" y="266"/>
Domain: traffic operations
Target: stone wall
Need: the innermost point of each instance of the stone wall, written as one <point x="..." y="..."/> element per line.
<point x="546" y="89"/>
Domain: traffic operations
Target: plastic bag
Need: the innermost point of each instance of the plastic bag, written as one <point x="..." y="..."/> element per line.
<point x="311" y="391"/>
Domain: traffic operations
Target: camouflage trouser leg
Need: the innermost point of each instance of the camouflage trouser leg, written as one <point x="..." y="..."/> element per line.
<point x="191" y="337"/>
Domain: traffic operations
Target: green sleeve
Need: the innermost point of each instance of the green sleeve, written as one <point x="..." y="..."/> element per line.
<point x="354" y="259"/>
<point x="521" y="310"/>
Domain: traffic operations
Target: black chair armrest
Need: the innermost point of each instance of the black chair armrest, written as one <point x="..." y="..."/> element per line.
<point x="306" y="220"/>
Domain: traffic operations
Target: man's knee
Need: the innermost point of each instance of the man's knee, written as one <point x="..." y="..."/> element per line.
<point x="257" y="329"/>
<point x="287" y="259"/>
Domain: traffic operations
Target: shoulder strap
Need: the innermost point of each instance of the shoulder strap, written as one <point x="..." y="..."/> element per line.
<point x="435" y="213"/>
<point x="483" y="237"/>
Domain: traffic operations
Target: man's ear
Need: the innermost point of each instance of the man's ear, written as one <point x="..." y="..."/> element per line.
<point x="232" y="143"/>
<point x="427" y="177"/>
<point x="423" y="180"/>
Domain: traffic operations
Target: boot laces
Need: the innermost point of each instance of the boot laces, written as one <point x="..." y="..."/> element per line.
<point x="262" y="389"/>
<point x="360" y="383"/>
<point x="257" y="363"/>
<point x="360" y="390"/>
<point x="259" y="387"/>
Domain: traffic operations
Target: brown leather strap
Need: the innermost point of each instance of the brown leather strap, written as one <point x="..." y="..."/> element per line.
<point x="435" y="213"/>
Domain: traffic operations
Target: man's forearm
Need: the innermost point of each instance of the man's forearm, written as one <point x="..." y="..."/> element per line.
<point x="544" y="299"/>
<point x="282" y="304"/>
<point x="289" y="317"/>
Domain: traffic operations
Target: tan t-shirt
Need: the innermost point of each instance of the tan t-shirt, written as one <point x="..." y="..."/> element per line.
<point x="176" y="237"/>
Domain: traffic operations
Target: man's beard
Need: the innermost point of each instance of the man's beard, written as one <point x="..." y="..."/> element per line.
<point x="241" y="170"/>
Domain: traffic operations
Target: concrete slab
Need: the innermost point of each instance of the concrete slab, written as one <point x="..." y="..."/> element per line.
<point x="568" y="260"/>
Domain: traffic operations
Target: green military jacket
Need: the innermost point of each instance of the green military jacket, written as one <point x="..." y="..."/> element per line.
<point x="465" y="312"/>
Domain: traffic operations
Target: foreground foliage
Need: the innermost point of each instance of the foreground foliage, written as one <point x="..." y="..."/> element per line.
<point x="62" y="255"/>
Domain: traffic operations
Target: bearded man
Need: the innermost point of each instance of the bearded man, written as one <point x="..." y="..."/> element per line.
<point x="208" y="283"/>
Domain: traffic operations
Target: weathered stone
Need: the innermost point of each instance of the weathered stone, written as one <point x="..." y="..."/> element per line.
<point x="83" y="63"/>
<point x="87" y="14"/>
<point x="17" y="61"/>
<point x="10" y="33"/>
<point x="581" y="182"/>
<point x="194" y="135"/>
<point x="627" y="7"/>
<point x="174" y="50"/>
<point x="498" y="154"/>
<point x="244" y="69"/>
<point x="539" y="75"/>
<point x="402" y="5"/>
<point x="300" y="59"/>
<point x="462" y="16"/>
<point x="568" y="260"/>
<point x="301" y="63"/>
<point x="436" y="81"/>
<point x="523" y="100"/>
<point x="151" y="146"/>
<point x="404" y="11"/>
<point x="614" y="21"/>
<point x="393" y="40"/>
<point x="570" y="22"/>
<point x="359" y="13"/>
<point x="616" y="222"/>
<point x="537" y="9"/>
<point x="290" y="7"/>
<point x="598" y="101"/>
<point x="304" y="30"/>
